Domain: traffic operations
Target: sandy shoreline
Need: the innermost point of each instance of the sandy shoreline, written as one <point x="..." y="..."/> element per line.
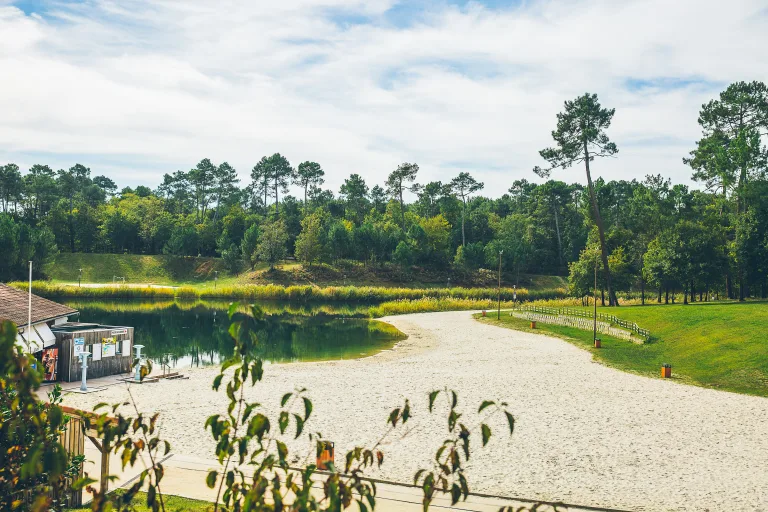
<point x="586" y="434"/>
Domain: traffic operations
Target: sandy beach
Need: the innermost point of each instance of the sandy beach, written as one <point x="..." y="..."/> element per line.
<point x="586" y="434"/>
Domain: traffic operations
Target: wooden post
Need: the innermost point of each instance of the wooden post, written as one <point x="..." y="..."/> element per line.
<point x="104" y="450"/>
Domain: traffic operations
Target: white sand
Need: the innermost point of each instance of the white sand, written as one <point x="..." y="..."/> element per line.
<point x="586" y="434"/>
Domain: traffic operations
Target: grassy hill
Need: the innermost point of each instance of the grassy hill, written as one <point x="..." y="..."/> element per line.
<point x="717" y="345"/>
<point x="135" y="268"/>
<point x="174" y="270"/>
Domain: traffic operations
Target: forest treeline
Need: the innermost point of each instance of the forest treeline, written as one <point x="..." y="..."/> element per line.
<point x="647" y="236"/>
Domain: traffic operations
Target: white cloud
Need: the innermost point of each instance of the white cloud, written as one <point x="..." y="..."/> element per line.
<point x="135" y="89"/>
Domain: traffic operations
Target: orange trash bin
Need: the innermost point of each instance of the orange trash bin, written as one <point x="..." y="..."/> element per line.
<point x="666" y="371"/>
<point x="598" y="343"/>
<point x="533" y="324"/>
<point x="325" y="454"/>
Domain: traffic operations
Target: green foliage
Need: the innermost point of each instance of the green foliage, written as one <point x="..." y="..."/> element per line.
<point x="19" y="244"/>
<point x="31" y="458"/>
<point x="272" y="242"/>
<point x="310" y="244"/>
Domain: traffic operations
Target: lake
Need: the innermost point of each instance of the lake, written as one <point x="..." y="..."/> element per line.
<point x="185" y="334"/>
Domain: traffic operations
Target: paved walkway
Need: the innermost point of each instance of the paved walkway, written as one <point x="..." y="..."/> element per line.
<point x="185" y="476"/>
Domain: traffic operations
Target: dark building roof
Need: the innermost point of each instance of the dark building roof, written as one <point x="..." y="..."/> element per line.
<point x="14" y="305"/>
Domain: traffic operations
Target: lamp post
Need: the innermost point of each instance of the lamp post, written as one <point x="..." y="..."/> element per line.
<point x="594" y="323"/>
<point x="79" y="277"/>
<point x="138" y="348"/>
<point x="215" y="278"/>
<point x="498" y="313"/>
<point x="84" y="364"/>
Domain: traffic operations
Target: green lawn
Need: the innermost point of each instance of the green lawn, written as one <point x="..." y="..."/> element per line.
<point x="722" y="346"/>
<point x="172" y="504"/>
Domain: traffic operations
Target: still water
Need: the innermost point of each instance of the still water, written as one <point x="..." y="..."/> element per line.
<point x="185" y="334"/>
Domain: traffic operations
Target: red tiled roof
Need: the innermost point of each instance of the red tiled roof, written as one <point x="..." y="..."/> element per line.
<point x="14" y="304"/>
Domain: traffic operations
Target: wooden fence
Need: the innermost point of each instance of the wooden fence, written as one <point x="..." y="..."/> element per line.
<point x="632" y="326"/>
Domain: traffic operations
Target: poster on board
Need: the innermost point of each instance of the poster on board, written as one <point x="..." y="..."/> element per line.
<point x="107" y="347"/>
<point x="79" y="344"/>
<point x="96" y="355"/>
<point x="50" y="364"/>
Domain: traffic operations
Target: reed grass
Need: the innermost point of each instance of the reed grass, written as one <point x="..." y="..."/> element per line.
<point x="431" y="304"/>
<point x="287" y="293"/>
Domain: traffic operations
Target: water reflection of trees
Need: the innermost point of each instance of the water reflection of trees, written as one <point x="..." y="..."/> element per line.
<point x="197" y="333"/>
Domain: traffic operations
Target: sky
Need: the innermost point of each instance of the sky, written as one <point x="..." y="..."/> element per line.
<point x="134" y="89"/>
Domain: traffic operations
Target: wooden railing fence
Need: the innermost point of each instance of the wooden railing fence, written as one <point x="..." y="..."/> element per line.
<point x="632" y="326"/>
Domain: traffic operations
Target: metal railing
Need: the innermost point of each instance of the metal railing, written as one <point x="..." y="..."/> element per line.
<point x="632" y="326"/>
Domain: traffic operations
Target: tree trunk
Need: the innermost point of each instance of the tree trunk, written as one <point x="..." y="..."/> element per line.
<point x="602" y="296"/>
<point x="685" y="294"/>
<point x="741" y="286"/>
<point x="559" y="238"/>
<point x="463" y="213"/>
<point x="666" y="295"/>
<point x="277" y="203"/>
<point x="693" y="292"/>
<point x="601" y="231"/>
<point x="659" y="299"/>
<point x="402" y="208"/>
<point x="71" y="227"/>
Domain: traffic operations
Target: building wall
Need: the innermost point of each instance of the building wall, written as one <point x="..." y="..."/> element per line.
<point x="69" y="365"/>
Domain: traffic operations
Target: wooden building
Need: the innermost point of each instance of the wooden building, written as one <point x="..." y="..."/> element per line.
<point x="109" y="346"/>
<point x="56" y="342"/>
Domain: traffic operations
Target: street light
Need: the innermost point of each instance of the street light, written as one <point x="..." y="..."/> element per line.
<point x="594" y="323"/>
<point x="79" y="277"/>
<point x="498" y="314"/>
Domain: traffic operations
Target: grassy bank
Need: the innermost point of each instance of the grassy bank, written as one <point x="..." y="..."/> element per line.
<point x="135" y="268"/>
<point x="716" y="345"/>
<point x="177" y="271"/>
<point x="287" y="293"/>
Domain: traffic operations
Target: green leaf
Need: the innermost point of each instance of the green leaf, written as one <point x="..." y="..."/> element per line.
<point x="486" y="403"/>
<point x="217" y="382"/>
<point x="285" y="399"/>
<point x="282" y="451"/>
<point x="432" y="397"/>
<point x="455" y="494"/>
<point x="406" y="411"/>
<point x="232" y="309"/>
<point x="454" y="399"/>
<point x="307" y="408"/>
<point x="55" y="417"/>
<point x="393" y="416"/>
<point x="486" y="433"/>
<point x="511" y="421"/>
<point x="299" y="425"/>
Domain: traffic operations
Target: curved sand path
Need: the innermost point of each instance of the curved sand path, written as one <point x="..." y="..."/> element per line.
<point x="586" y="434"/>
